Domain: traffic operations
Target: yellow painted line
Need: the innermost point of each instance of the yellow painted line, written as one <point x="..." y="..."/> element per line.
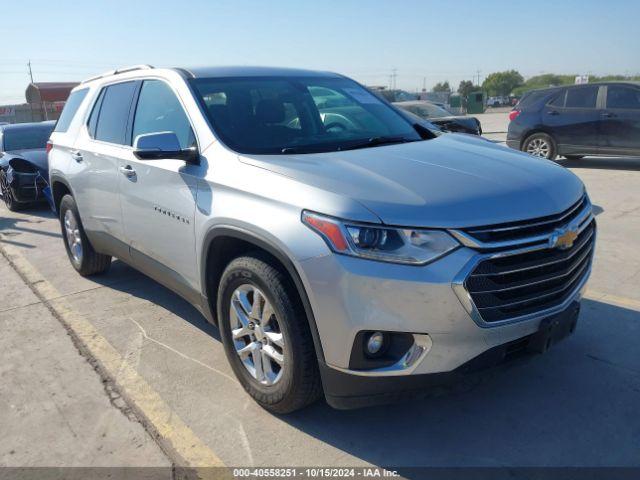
<point x="174" y="435"/>
<point x="625" y="302"/>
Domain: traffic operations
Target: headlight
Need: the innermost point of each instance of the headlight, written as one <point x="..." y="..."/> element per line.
<point x="396" y="245"/>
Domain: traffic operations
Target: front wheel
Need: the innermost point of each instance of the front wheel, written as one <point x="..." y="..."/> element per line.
<point x="266" y="335"/>
<point x="83" y="257"/>
<point x="540" y="145"/>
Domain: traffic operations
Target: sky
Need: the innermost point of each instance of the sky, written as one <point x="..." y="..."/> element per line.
<point x="425" y="41"/>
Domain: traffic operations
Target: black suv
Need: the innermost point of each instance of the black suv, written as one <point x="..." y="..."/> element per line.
<point x="578" y="120"/>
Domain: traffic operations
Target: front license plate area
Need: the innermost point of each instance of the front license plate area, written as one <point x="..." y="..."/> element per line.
<point x="553" y="329"/>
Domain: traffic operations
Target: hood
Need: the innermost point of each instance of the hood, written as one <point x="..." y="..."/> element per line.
<point x="450" y="181"/>
<point x="38" y="157"/>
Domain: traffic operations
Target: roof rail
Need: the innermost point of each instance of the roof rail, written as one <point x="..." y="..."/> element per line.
<point x="118" y="71"/>
<point x="186" y="73"/>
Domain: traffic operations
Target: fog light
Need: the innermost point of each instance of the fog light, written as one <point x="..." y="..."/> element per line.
<point x="374" y="343"/>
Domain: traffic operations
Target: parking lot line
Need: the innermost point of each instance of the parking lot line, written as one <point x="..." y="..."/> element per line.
<point x="173" y="434"/>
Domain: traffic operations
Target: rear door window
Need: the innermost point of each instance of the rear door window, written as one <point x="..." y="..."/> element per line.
<point x="622" y="96"/>
<point x="582" y="97"/>
<point x="95" y="113"/>
<point x="70" y="109"/>
<point x="114" y="113"/>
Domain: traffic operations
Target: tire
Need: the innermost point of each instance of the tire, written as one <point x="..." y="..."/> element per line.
<point x="278" y="387"/>
<point x="540" y="145"/>
<point x="573" y="157"/>
<point x="85" y="260"/>
<point x="7" y="196"/>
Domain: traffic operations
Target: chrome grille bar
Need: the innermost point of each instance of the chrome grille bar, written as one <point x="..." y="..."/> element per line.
<point x="532" y="280"/>
<point x="539" y="282"/>
<point x="581" y="219"/>
<point x="539" y="297"/>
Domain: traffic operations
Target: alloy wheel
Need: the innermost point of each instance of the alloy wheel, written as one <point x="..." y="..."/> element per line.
<point x="256" y="334"/>
<point x="538" y="147"/>
<point x="72" y="231"/>
<point x="7" y="196"/>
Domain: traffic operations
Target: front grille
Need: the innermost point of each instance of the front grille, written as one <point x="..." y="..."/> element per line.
<point x="510" y="286"/>
<point x="528" y="228"/>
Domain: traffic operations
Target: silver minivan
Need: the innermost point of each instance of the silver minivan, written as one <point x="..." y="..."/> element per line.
<point x="341" y="249"/>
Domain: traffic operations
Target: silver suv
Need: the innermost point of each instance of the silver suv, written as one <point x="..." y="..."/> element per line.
<point x="340" y="248"/>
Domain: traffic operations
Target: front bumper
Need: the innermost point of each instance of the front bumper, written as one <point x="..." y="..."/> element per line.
<point x="345" y="391"/>
<point x="351" y="295"/>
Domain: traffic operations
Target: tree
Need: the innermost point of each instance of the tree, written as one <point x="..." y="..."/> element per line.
<point x="441" y="87"/>
<point x="502" y="83"/>
<point x="466" y="87"/>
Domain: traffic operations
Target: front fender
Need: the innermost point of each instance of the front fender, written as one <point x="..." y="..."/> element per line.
<point x="263" y="242"/>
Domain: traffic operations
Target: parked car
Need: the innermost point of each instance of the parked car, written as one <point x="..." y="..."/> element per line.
<point x="394" y="95"/>
<point x="361" y="263"/>
<point x="23" y="163"/>
<point x="441" y="117"/>
<point x="578" y="120"/>
<point x="498" y="101"/>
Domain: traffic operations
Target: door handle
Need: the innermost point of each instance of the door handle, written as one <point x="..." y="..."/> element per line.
<point x="127" y="171"/>
<point x="553" y="112"/>
<point x="76" y="155"/>
<point x="608" y="115"/>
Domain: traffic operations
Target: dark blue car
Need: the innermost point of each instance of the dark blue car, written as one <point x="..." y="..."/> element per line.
<point x="24" y="170"/>
<point x="578" y="120"/>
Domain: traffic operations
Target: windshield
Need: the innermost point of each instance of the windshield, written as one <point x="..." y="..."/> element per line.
<point x="426" y="110"/>
<point x="26" y="138"/>
<point x="273" y="115"/>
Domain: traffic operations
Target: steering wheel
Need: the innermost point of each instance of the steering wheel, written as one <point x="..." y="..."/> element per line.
<point x="335" y="126"/>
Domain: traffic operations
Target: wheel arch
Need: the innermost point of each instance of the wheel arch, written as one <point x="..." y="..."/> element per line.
<point x="538" y="129"/>
<point x="231" y="242"/>
<point x="59" y="188"/>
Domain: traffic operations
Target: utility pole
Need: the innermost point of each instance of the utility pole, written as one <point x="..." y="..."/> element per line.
<point x="478" y="74"/>
<point x="30" y="76"/>
<point x="30" y="72"/>
<point x="393" y="78"/>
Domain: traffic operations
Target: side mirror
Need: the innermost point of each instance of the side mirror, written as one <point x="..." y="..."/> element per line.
<point x="162" y="145"/>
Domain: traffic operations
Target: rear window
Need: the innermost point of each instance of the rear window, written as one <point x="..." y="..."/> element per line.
<point x="582" y="97"/>
<point x="26" y="138"/>
<point x="114" y="113"/>
<point x="70" y="109"/>
<point x="532" y="98"/>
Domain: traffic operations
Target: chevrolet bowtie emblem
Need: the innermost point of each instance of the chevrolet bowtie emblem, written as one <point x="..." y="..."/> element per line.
<point x="562" y="239"/>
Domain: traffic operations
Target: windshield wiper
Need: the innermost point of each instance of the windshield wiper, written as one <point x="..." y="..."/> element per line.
<point x="375" y="141"/>
<point x="369" y="142"/>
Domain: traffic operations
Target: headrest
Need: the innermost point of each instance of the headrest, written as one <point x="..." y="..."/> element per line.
<point x="270" y="111"/>
<point x="217" y="111"/>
